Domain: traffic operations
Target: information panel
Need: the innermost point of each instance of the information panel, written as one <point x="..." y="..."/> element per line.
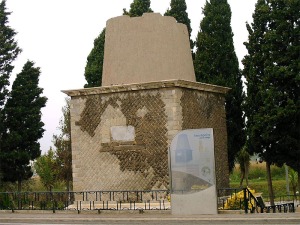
<point x="192" y="163"/>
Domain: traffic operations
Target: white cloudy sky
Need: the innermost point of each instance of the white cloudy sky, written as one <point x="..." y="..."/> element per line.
<point x="58" y="36"/>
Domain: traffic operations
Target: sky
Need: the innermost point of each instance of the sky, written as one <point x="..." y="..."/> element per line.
<point x="58" y="35"/>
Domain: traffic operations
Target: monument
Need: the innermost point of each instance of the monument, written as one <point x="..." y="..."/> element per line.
<point x="121" y="132"/>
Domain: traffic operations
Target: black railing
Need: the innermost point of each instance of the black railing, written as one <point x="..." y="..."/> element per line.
<point x="228" y="199"/>
<point x="244" y="199"/>
<point x="86" y="200"/>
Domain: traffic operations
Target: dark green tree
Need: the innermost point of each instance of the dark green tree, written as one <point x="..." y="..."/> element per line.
<point x="62" y="143"/>
<point x="94" y="65"/>
<point x="9" y="51"/>
<point x="272" y="70"/>
<point x="216" y="63"/>
<point x="23" y="125"/>
<point x="254" y="72"/>
<point x="138" y="7"/>
<point x="178" y="11"/>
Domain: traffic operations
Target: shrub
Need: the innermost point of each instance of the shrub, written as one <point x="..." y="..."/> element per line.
<point x="277" y="172"/>
<point x="237" y="201"/>
<point x="257" y="172"/>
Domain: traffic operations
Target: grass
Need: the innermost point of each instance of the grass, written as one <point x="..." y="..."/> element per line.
<point x="258" y="179"/>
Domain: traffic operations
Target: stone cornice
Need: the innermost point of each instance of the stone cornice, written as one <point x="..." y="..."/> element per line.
<point x="147" y="86"/>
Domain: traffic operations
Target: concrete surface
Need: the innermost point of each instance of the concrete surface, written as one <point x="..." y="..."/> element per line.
<point x="135" y="217"/>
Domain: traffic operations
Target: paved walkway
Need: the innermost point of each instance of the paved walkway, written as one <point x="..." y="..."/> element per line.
<point x="148" y="217"/>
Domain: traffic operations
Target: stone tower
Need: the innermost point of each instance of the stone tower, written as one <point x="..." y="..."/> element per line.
<point x="121" y="131"/>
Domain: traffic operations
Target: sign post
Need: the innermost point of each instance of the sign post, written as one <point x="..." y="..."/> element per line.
<point x="193" y="181"/>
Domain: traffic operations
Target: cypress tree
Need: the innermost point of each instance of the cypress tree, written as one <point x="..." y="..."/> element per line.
<point x="94" y="65"/>
<point x="9" y="51"/>
<point x="138" y="7"/>
<point x="178" y="11"/>
<point x="273" y="76"/>
<point x="23" y="124"/>
<point x="216" y="63"/>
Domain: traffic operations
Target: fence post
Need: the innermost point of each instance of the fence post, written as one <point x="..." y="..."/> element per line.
<point x="245" y="200"/>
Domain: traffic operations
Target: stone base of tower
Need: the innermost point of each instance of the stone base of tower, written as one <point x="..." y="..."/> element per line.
<point x="121" y="134"/>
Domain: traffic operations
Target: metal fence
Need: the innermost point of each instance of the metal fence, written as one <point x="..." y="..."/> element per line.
<point x="86" y="200"/>
<point x="243" y="199"/>
<point x="228" y="199"/>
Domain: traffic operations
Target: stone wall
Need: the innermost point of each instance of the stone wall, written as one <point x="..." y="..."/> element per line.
<point x="121" y="134"/>
<point x="206" y="110"/>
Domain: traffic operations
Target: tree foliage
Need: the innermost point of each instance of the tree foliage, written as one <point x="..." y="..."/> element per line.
<point x="138" y="7"/>
<point x="293" y="180"/>
<point x="45" y="167"/>
<point x="23" y="125"/>
<point x="178" y="11"/>
<point x="272" y="70"/>
<point x="94" y="65"/>
<point x="216" y="63"/>
<point x="9" y="51"/>
<point x="56" y="165"/>
<point x="62" y="143"/>
<point x="254" y="73"/>
<point x="243" y="159"/>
